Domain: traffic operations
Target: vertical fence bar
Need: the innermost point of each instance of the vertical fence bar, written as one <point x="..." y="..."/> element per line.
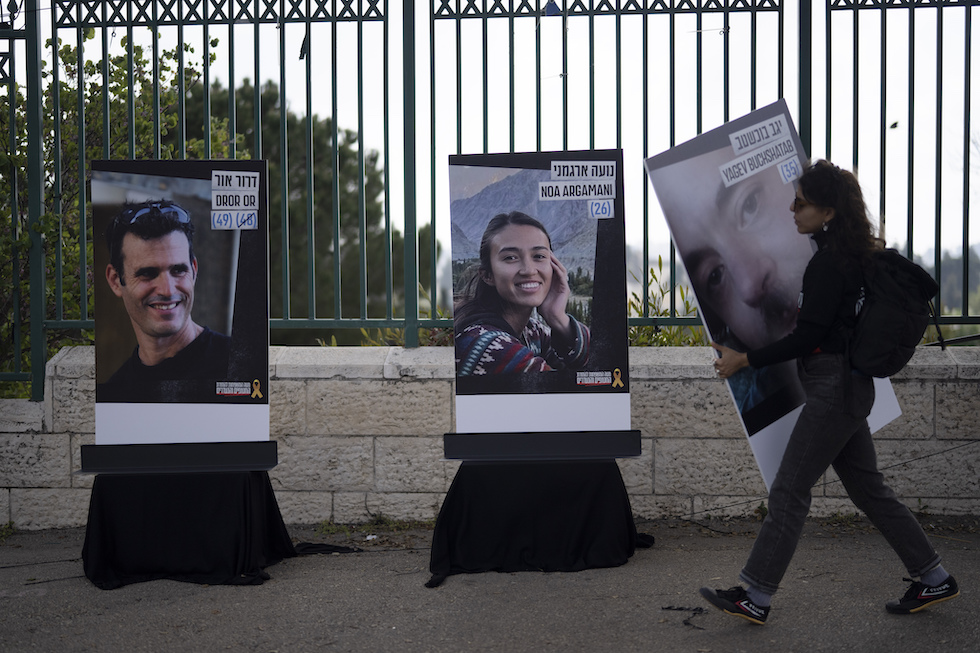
<point x="459" y="83"/>
<point x="564" y="79"/>
<point x="619" y="82"/>
<point x="967" y="93"/>
<point x="411" y="258"/>
<point x="939" y="165"/>
<point x="58" y="205"/>
<point x="306" y="54"/>
<point x="672" y="102"/>
<point x="753" y="63"/>
<point x="206" y="38"/>
<point x="939" y="148"/>
<point x="513" y="103"/>
<point x="485" y="65"/>
<point x="386" y="109"/>
<point x="335" y="177"/>
<point x="591" y="80"/>
<point x="130" y="82"/>
<point x="855" y="89"/>
<point x="828" y="74"/>
<point x="257" y="142"/>
<point x="283" y="164"/>
<point x="182" y="86"/>
<point x="726" y="67"/>
<point x="781" y="51"/>
<point x="232" y="105"/>
<point x="883" y="123"/>
<point x="155" y="85"/>
<point x="699" y="75"/>
<point x="106" y="105"/>
<point x="537" y="76"/>
<point x="82" y="144"/>
<point x="910" y="173"/>
<point x="15" y="224"/>
<point x="433" y="311"/>
<point x="56" y="179"/>
<point x="35" y="194"/>
<point x="361" y="204"/>
<point x="645" y="85"/>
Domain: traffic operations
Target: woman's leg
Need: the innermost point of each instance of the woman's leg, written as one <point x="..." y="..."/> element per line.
<point x="821" y="432"/>
<point x="857" y="467"/>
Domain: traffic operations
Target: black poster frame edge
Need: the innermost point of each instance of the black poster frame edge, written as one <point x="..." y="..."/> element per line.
<point x="181" y="457"/>
<point x="542" y="446"/>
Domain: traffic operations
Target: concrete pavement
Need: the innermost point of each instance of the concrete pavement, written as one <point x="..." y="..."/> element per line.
<point x="832" y="599"/>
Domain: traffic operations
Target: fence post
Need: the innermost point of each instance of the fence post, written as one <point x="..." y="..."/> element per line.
<point x="806" y="73"/>
<point x="411" y="230"/>
<point x="35" y="196"/>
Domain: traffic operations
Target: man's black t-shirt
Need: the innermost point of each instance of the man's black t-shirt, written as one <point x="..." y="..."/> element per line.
<point x="205" y="358"/>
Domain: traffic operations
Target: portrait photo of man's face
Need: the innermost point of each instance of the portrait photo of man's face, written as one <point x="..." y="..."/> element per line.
<point x="154" y="276"/>
<point x="726" y="198"/>
<point x="159" y="257"/>
<point x="181" y="301"/>
<point x="739" y="245"/>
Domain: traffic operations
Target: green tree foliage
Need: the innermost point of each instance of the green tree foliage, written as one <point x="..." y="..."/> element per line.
<point x="580" y="304"/>
<point x="387" y="337"/>
<point x="659" y="303"/>
<point x="951" y="289"/>
<point x="98" y="116"/>
<point x="88" y="114"/>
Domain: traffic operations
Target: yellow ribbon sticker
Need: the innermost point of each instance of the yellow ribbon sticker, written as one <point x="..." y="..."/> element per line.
<point x="256" y="393"/>
<point x="618" y="379"/>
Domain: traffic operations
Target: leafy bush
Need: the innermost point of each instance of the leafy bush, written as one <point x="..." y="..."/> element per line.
<point x="658" y="302"/>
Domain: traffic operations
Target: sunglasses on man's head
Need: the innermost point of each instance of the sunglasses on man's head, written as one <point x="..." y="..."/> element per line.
<point x="129" y="216"/>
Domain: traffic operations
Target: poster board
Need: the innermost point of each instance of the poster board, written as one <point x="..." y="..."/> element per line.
<point x="200" y="404"/>
<point x="514" y="380"/>
<point x="726" y="197"/>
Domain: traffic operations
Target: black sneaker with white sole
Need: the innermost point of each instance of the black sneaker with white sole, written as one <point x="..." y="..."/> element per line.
<point x="920" y="596"/>
<point x="736" y="602"/>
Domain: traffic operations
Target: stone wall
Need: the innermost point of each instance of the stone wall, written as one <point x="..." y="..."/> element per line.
<point x="359" y="433"/>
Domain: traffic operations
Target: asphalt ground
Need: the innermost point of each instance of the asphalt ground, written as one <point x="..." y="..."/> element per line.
<point x="832" y="598"/>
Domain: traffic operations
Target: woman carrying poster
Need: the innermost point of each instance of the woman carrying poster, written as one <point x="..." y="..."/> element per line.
<point x="833" y="429"/>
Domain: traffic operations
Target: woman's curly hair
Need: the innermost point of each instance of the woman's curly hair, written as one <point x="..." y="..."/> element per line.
<point x="826" y="185"/>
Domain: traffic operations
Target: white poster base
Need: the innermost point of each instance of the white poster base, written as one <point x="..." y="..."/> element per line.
<point x="125" y="423"/>
<point x="769" y="444"/>
<point x="518" y="413"/>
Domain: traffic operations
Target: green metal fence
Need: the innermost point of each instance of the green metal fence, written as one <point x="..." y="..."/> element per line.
<point x="357" y="105"/>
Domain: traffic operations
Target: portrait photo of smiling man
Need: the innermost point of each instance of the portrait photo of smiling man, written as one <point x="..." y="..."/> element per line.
<point x="153" y="270"/>
<point x="726" y="197"/>
<point x="181" y="301"/>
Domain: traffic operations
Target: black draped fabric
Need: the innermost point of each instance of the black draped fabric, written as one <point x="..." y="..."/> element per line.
<point x="214" y="528"/>
<point x="533" y="516"/>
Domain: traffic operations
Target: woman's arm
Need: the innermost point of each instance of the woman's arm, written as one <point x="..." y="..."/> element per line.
<point x="730" y="361"/>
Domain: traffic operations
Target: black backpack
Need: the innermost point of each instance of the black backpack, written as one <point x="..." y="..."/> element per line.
<point x="892" y="314"/>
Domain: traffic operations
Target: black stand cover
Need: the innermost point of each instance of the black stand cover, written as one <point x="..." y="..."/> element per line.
<point x="533" y="516"/>
<point x="214" y="528"/>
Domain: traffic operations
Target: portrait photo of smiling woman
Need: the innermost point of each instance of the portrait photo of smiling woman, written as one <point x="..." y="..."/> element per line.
<point x="539" y="281"/>
<point x="511" y="314"/>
